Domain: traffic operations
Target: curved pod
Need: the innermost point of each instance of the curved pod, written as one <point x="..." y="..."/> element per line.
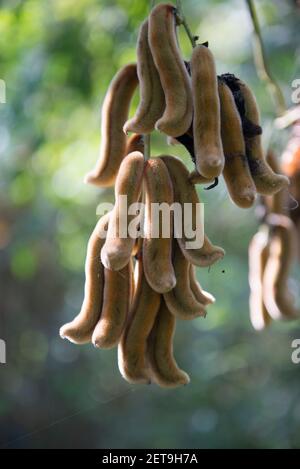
<point x="163" y="367"/>
<point x="80" y="330"/>
<point x="206" y="123"/>
<point x="118" y="247"/>
<point x="181" y="301"/>
<point x="115" y="308"/>
<point x="185" y="193"/>
<point x="157" y="251"/>
<point x="152" y="98"/>
<point x="115" y="111"/>
<point x="132" y="347"/>
<point x="236" y="171"/>
<point x="174" y="77"/>
<point x="266" y="181"/>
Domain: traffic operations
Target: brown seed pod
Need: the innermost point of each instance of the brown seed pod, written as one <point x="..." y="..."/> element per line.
<point x="118" y="246"/>
<point x="115" y="111"/>
<point x="174" y="77"/>
<point x="236" y="172"/>
<point x="276" y="203"/>
<point x="181" y="301"/>
<point x="265" y="180"/>
<point x="116" y="302"/>
<point x="206" y="123"/>
<point x="132" y="347"/>
<point x="80" y="330"/>
<point x="157" y="251"/>
<point x="276" y="294"/>
<point x="164" y="369"/>
<point x="201" y="296"/>
<point x="258" y="257"/>
<point x="152" y="98"/>
<point x="196" y="178"/>
<point x="185" y="193"/>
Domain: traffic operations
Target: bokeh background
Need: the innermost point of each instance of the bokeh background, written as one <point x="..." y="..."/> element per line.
<point x="57" y="58"/>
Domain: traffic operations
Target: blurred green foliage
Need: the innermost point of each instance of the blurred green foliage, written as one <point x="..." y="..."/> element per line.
<point x="57" y="58"/>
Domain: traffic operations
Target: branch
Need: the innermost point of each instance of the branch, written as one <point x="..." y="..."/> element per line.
<point x="261" y="63"/>
<point x="183" y="21"/>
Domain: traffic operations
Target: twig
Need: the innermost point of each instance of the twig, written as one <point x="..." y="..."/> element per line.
<point x="261" y="63"/>
<point x="147" y="146"/>
<point x="184" y="23"/>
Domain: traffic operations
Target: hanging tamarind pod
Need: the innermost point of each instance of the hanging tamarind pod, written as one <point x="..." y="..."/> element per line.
<point x="152" y="99"/>
<point x="132" y="347"/>
<point x="118" y="247"/>
<point x="80" y="330"/>
<point x="181" y="301"/>
<point x="258" y="256"/>
<point x="185" y="193"/>
<point x="206" y="123"/>
<point x="157" y="251"/>
<point x="277" y="297"/>
<point x="276" y="203"/>
<point x="201" y="296"/>
<point x="265" y="180"/>
<point x="236" y="172"/>
<point x="115" y="111"/>
<point x="115" y="307"/>
<point x="291" y="167"/>
<point x="163" y="367"/>
<point x="176" y="83"/>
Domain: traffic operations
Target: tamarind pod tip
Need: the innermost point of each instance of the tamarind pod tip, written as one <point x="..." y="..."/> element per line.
<point x="91" y="178"/>
<point x="183" y="380"/>
<point x="208" y="260"/>
<point x="201" y="295"/>
<point x="69" y="333"/>
<point x="115" y="260"/>
<point x="267" y="184"/>
<point x="88" y="178"/>
<point x="213" y="169"/>
<point x="196" y="178"/>
<point x="245" y="199"/>
<point x="176" y="308"/>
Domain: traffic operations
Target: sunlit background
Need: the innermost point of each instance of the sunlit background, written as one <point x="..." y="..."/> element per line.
<point x="57" y="58"/>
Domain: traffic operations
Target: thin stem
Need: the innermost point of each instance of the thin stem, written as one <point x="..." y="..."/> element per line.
<point x="184" y="23"/>
<point x="147" y="145"/>
<point x="261" y="62"/>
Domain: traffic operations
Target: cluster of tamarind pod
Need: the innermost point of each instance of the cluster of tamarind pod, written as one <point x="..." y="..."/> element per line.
<point x="138" y="312"/>
<point x="273" y="248"/>
<point x="138" y="287"/>
<point x="215" y="117"/>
